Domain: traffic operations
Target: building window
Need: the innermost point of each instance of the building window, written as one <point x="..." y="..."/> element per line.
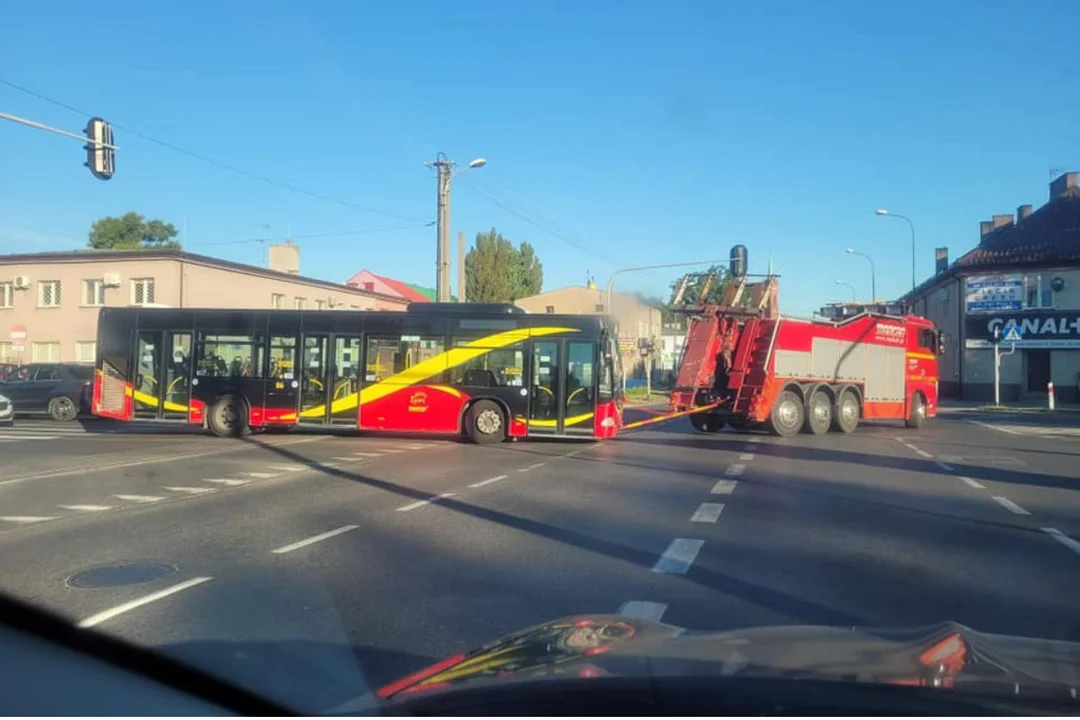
<point x="45" y="352"/>
<point x="7" y="290"/>
<point x="49" y="293"/>
<point x="300" y="303"/>
<point x="277" y="301"/>
<point x="93" y="292"/>
<point x="320" y="304"/>
<point x="85" y="351"/>
<point x="369" y="286"/>
<point x="1047" y="299"/>
<point x="142" y="291"/>
<point x="599" y="308"/>
<point x="7" y="352"/>
<point x="550" y="309"/>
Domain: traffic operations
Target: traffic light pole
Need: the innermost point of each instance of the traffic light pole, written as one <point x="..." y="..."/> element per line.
<point x="97" y="125"/>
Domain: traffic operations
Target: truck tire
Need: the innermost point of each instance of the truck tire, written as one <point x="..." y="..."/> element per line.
<point x="228" y="417"/>
<point x="485" y="423"/>
<point x="706" y="422"/>
<point x="917" y="417"/>
<point x="788" y="414"/>
<point x="846" y="417"/>
<point x="819" y="412"/>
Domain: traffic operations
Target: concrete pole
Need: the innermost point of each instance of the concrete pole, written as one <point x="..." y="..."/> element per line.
<point x="442" y="261"/>
<point x="461" y="267"/>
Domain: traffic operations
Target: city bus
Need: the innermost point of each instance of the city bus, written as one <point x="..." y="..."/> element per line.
<point x="486" y="371"/>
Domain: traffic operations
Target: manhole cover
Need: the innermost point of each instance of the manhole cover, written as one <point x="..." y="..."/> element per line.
<point x="119" y="575"/>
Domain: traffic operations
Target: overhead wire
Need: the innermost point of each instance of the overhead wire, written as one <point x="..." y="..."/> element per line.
<point x="314" y="236"/>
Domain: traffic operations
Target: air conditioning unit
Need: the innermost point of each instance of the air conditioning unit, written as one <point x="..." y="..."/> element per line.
<point x="22" y="282"/>
<point x="111" y="279"/>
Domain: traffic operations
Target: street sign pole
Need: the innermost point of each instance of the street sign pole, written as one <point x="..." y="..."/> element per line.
<point x="1012" y="333"/>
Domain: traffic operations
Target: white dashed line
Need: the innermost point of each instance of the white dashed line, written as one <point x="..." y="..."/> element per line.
<point x="993" y="427"/>
<point x="422" y="503"/>
<point x="391" y="450"/>
<point x="139" y="498"/>
<point x="973" y="483"/>
<point x="345" y="459"/>
<point x="532" y="467"/>
<point x="416" y="447"/>
<point x="482" y="483"/>
<point x="945" y="466"/>
<point x="230" y="482"/>
<point x="1063" y="539"/>
<point x="287" y="468"/>
<point x="26" y="519"/>
<point x="678" y="557"/>
<point x="1010" y="505"/>
<point x="724" y="487"/>
<point x="139" y="602"/>
<point x="707" y="513"/>
<point x="643" y="610"/>
<point x="367" y="454"/>
<point x="262" y="475"/>
<point x="747" y="457"/>
<point x="190" y="490"/>
<point x="735" y="470"/>
<point x="87" y="508"/>
<point x="313" y="539"/>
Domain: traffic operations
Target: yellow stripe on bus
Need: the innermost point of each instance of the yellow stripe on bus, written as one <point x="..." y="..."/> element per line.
<point x="573" y="420"/>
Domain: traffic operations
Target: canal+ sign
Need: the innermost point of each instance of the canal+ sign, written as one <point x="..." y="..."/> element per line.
<point x="1033" y="330"/>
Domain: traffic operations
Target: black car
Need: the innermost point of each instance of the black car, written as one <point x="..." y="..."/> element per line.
<point x="62" y="390"/>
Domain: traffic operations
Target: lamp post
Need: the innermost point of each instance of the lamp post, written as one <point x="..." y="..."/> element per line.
<point x="854" y="298"/>
<point x="446" y="169"/>
<point x="883" y="211"/>
<point x="873" y="274"/>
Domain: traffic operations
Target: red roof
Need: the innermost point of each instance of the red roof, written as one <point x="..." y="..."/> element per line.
<point x="402" y="289"/>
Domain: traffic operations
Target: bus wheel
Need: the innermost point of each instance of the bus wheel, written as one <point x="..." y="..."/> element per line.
<point x="818" y="413"/>
<point x="786" y="418"/>
<point x="847" y="412"/>
<point x="227" y="417"/>
<point x="918" y="412"/>
<point x="485" y="423"/>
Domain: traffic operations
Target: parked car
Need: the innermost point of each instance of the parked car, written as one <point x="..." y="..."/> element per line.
<point x="61" y="390"/>
<point x="7" y="411"/>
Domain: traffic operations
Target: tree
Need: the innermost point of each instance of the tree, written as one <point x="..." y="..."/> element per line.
<point x="132" y="232"/>
<point x="497" y="272"/>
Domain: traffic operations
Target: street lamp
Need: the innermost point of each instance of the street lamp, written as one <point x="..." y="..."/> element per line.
<point x="446" y="169"/>
<point x="873" y="274"/>
<point x="883" y="211"/>
<point x="854" y="298"/>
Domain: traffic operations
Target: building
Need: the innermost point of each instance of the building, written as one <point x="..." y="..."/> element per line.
<point x="49" y="301"/>
<point x="369" y="281"/>
<point x="1023" y="281"/>
<point x="637" y="320"/>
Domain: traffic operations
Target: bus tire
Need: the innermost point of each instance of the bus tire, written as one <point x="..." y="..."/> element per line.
<point x="706" y="422"/>
<point x="485" y="422"/>
<point x="917" y="418"/>
<point x="787" y="415"/>
<point x="819" y="411"/>
<point x="228" y="417"/>
<point x="846" y="417"/>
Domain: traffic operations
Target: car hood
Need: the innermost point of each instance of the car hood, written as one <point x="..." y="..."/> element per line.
<point x="948" y="655"/>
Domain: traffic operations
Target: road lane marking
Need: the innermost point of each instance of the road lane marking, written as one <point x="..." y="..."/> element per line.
<point x="367" y="454"/>
<point x="27" y="519"/>
<point x="482" y="483"/>
<point x="139" y="498"/>
<point x="532" y="467"/>
<point x="13" y="437"/>
<point x="190" y="490"/>
<point x="735" y="470"/>
<point x="139" y="602"/>
<point x="391" y="450"/>
<point x="87" y="508"/>
<point x="416" y="446"/>
<point x="911" y="447"/>
<point x="945" y="466"/>
<point x="678" y="557"/>
<point x="1063" y="539"/>
<point x="288" y="468"/>
<point x="707" y="513"/>
<point x="422" y="503"/>
<point x="262" y="475"/>
<point x="747" y="456"/>
<point x="226" y="481"/>
<point x="993" y="427"/>
<point x="750" y="447"/>
<point x="313" y="539"/>
<point x="974" y="483"/>
<point x="345" y="459"/>
<point x="724" y="487"/>
<point x="1010" y="505"/>
<point x="643" y="610"/>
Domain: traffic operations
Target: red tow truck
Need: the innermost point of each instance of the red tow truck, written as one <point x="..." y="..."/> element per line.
<point x="745" y="365"/>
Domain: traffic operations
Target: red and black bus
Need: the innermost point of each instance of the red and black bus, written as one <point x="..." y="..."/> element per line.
<point x="488" y="371"/>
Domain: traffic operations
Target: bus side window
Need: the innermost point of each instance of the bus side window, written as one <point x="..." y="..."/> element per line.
<point x="497" y="367"/>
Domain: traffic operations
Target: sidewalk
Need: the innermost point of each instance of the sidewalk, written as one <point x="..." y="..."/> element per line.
<point x="979" y="406"/>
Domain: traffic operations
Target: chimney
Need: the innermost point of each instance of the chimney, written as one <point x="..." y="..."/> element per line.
<point x="985" y="227"/>
<point x="941" y="260"/>
<point x="1022" y="212"/>
<point x="1002" y="220"/>
<point x="1064" y="182"/>
<point x="285" y="258"/>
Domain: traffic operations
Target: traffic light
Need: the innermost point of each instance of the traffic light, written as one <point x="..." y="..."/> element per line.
<point x="100" y="153"/>
<point x="738" y="261"/>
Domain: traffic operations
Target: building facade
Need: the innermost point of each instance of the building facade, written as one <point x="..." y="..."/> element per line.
<point x="369" y="281"/>
<point x="49" y="302"/>
<point x="1020" y="286"/>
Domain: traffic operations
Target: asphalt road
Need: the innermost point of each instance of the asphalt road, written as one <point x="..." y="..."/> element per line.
<point x="313" y="567"/>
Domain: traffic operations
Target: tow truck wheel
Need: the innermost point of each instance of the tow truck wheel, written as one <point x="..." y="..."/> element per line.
<point x="918" y="412"/>
<point x="818" y="414"/>
<point x="846" y="418"/>
<point x="485" y="423"/>
<point x="706" y="422"/>
<point x="786" y="418"/>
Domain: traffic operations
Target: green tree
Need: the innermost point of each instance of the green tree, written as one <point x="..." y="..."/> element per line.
<point x="132" y="232"/>
<point x="497" y="272"/>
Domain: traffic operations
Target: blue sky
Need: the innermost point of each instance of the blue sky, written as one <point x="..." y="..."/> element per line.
<point x="639" y="132"/>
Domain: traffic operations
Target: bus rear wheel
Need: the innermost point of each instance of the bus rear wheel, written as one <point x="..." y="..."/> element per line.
<point x="227" y="417"/>
<point x="485" y="423"/>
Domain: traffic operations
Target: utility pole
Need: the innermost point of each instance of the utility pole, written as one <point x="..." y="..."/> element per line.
<point x="461" y="267"/>
<point x="445" y="168"/>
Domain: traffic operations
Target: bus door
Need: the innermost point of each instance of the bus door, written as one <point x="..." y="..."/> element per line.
<point x="162" y="383"/>
<point x="283" y="383"/>
<point x="329" y="379"/>
<point x="562" y="393"/>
